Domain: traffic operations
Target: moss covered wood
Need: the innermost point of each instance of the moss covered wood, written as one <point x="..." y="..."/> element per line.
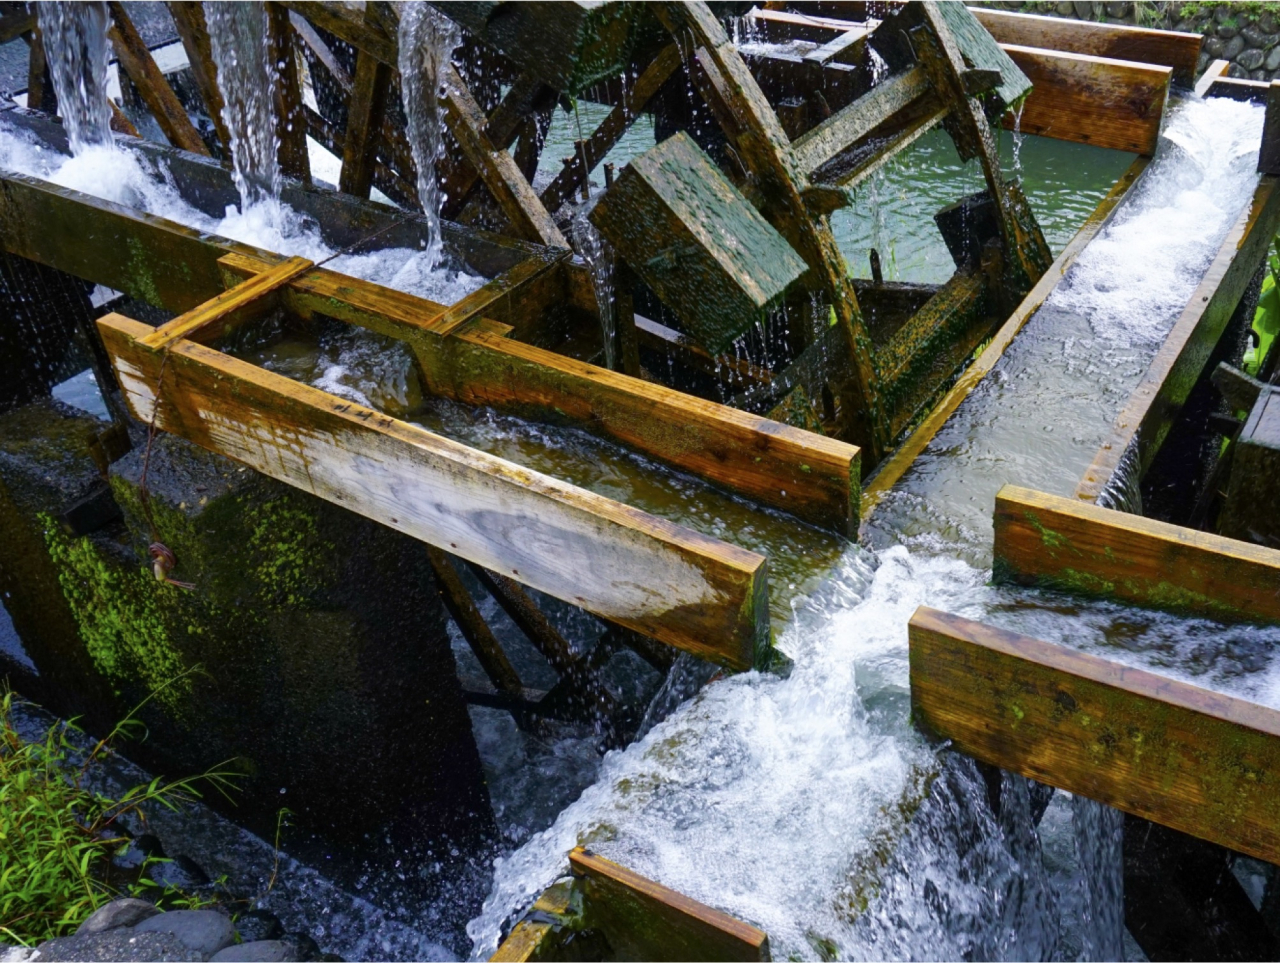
<point x="1067" y="544"/>
<point x="691" y="236"/>
<point x="1197" y="761"/>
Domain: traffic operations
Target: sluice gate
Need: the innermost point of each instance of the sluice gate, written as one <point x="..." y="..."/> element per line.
<point x="735" y="348"/>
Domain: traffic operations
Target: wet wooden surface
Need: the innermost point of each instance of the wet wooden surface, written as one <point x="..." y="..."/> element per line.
<point x="650" y="575"/>
<point x="1091" y="100"/>
<point x="1155" y="402"/>
<point x="644" y="920"/>
<point x="1076" y="546"/>
<point x="1185" y="757"/>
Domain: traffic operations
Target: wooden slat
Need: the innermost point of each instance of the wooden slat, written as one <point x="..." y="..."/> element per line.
<point x="1166" y="48"/>
<point x="462" y="609"/>
<point x="291" y="122"/>
<point x="1068" y="544"/>
<point x="839" y="131"/>
<point x="1235" y="88"/>
<point x="645" y="920"/>
<point x="349" y="24"/>
<point x="198" y="324"/>
<point x="660" y="579"/>
<point x="155" y="91"/>
<point x="1159" y="396"/>
<point x="807" y="475"/>
<point x="891" y="472"/>
<point x="1179" y="755"/>
<point x="1092" y="100"/>
<point x="365" y="110"/>
<point x="496" y="167"/>
<point x="534" y="937"/>
<point x="14" y="25"/>
<point x="40" y="92"/>
<point x="1216" y="70"/>
<point x="484" y="300"/>
<point x="188" y="18"/>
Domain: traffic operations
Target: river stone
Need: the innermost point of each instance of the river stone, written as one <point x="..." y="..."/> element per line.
<point x="1118" y="11"/>
<point x="1253" y="36"/>
<point x="116" y="946"/>
<point x="1258" y="75"/>
<point x="1233" y="48"/>
<point x="1229" y="31"/>
<point x="117" y="913"/>
<point x="204" y="931"/>
<point x="1066" y="9"/>
<point x="1214" y="46"/>
<point x="256" y="925"/>
<point x="259" y="951"/>
<point x="1251" y="59"/>
<point x="1273" y="59"/>
<point x="1267" y="22"/>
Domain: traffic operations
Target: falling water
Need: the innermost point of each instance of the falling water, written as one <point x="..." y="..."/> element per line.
<point x="598" y="253"/>
<point x="75" y="41"/>
<point x="427" y="41"/>
<point x="241" y="52"/>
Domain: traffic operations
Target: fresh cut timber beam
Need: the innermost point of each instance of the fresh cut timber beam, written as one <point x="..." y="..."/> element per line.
<point x="662" y="580"/>
<point x="1154" y="404"/>
<point x="1091" y="100"/>
<point x="1164" y="48"/>
<point x="1068" y="544"/>
<point x="1188" y="758"/>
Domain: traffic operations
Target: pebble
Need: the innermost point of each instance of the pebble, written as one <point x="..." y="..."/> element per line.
<point x="204" y="931"/>
<point x="116" y="946"/>
<point x="1251" y="59"/>
<point x="117" y="913"/>
<point x="1233" y="48"/>
<point x="1273" y="59"/>
<point x="259" y="951"/>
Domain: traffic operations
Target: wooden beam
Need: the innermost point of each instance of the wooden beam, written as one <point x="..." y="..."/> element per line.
<point x="807" y="475"/>
<point x="1185" y="757"/>
<point x="1217" y="70"/>
<point x="1159" y="396"/>
<point x="462" y="609"/>
<point x="1071" y="545"/>
<point x="552" y="916"/>
<point x="349" y="24"/>
<point x="897" y="465"/>
<point x="1166" y="48"/>
<point x="365" y="111"/>
<point x="291" y="122"/>
<point x="645" y="920"/>
<point x="662" y="580"/>
<point x="155" y="91"/>
<point x="14" y="25"/>
<point x="188" y="18"/>
<point x="1236" y="88"/>
<point x="528" y="217"/>
<point x="1092" y="100"/>
<point x="40" y="92"/>
<point x="590" y="152"/>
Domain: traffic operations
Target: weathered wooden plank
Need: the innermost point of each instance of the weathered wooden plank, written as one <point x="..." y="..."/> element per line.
<point x="1236" y="88"/>
<point x="1269" y="155"/>
<point x="40" y="92"/>
<point x="349" y="24"/>
<point x="842" y="129"/>
<point x="1217" y="70"/>
<point x="155" y="91"/>
<point x="1179" y="755"/>
<point x="516" y="283"/>
<point x="891" y="472"/>
<point x="1252" y="490"/>
<point x="291" y="122"/>
<point x="14" y="25"/>
<point x="807" y="475"/>
<point x="1158" y="397"/>
<point x="188" y="18"/>
<point x="1068" y="544"/>
<point x="534" y="938"/>
<point x="1167" y="48"/>
<point x="644" y="920"/>
<point x="1092" y="100"/>
<point x="367" y="104"/>
<point x="660" y="579"/>
<point x="496" y="167"/>
<point x="462" y="609"/>
<point x="208" y="321"/>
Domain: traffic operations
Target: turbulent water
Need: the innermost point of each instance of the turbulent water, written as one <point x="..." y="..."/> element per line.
<point x="77" y="51"/>
<point x="427" y="40"/>
<point x="808" y="805"/>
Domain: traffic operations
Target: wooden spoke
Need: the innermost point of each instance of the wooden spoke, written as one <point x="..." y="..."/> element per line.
<point x="188" y="18"/>
<point x="291" y="123"/>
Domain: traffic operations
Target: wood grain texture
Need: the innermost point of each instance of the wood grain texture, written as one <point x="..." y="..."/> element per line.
<point x="1166" y="48"/>
<point x="291" y="121"/>
<point x="1159" y="396"/>
<point x="1092" y="100"/>
<point x="349" y="24"/>
<point x="807" y="475"/>
<point x="189" y="21"/>
<point x="648" y="574"/>
<point x="1068" y="544"/>
<point x="644" y="920"/>
<point x="365" y="111"/>
<point x="1185" y="757"/>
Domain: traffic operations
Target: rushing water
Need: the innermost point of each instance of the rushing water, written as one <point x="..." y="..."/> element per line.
<point x="598" y="253"/>
<point x="76" y="48"/>
<point x="427" y="41"/>
<point x="809" y="805"/>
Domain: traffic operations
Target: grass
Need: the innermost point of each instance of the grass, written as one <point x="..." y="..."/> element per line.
<point x="57" y="836"/>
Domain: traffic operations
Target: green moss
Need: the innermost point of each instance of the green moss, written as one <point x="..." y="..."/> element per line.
<point x="143" y="284"/>
<point x="1048" y="536"/>
<point x="285" y="551"/>
<point x="118" y="612"/>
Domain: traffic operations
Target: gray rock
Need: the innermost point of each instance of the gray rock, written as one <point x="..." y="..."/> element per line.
<point x="1214" y="46"/>
<point x="1273" y="59"/>
<point x="1267" y="23"/>
<point x="1258" y="75"/>
<point x="1253" y="36"/>
<point x="1237" y="72"/>
<point x="1066" y="9"/>
<point x="16" y="954"/>
<point x="117" y="946"/>
<point x="259" y="951"/>
<point x="204" y="931"/>
<point x="1223" y="13"/>
<point x="1233" y="49"/>
<point x="1083" y="9"/>
<point x="1118" y="11"/>
<point x="1251" y="59"/>
<point x="117" y="913"/>
<point x="1229" y="31"/>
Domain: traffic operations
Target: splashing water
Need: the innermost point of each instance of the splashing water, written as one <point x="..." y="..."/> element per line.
<point x="598" y="253"/>
<point x="427" y="41"/>
<point x="809" y="806"/>
<point x="241" y="52"/>
<point x="75" y="41"/>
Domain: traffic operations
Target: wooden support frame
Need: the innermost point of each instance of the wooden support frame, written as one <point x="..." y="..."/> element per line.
<point x="1155" y="402"/>
<point x="291" y="122"/>
<point x="1067" y="544"/>
<point x="1197" y="761"/>
<point x="366" y="108"/>
<point x="189" y="20"/>
<point x="660" y="579"/>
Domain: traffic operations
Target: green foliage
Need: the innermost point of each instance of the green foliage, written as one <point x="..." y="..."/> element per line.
<point x="57" y="836"/>
<point x="1266" y="319"/>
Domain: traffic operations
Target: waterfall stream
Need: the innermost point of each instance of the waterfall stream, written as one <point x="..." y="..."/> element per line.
<point x="76" y="48"/>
